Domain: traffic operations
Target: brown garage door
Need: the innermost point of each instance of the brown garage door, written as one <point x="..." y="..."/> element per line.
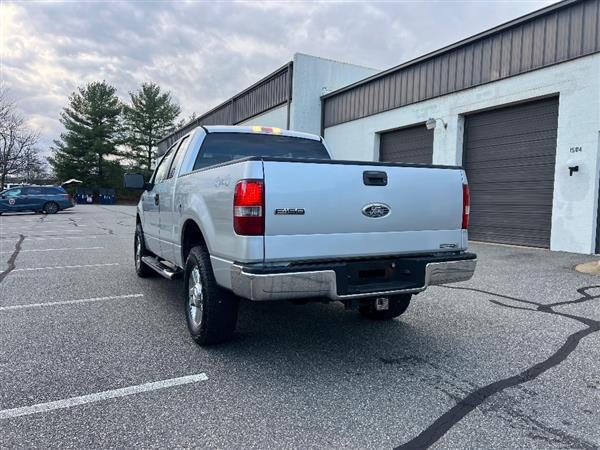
<point x="408" y="145"/>
<point x="509" y="156"/>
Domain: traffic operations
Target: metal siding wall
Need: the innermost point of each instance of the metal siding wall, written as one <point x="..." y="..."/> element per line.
<point x="505" y="55"/>
<point x="539" y="43"/>
<point x="551" y="36"/>
<point x="590" y="27"/>
<point x="267" y="94"/>
<point x="496" y="57"/>
<point x="562" y="36"/>
<point x="547" y="39"/>
<point x="477" y="60"/>
<point x="576" y="30"/>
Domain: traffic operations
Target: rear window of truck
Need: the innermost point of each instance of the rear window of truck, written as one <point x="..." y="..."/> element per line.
<point x="219" y="148"/>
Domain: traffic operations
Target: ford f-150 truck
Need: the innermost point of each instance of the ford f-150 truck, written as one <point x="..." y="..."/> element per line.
<point x="265" y="214"/>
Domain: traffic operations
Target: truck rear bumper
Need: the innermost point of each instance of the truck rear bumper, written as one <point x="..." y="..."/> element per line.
<point x="318" y="280"/>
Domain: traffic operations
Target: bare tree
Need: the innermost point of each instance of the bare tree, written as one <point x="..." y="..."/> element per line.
<point x="33" y="168"/>
<point x="17" y="141"/>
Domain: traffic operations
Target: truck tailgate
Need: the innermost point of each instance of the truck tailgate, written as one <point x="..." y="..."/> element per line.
<point x="320" y="210"/>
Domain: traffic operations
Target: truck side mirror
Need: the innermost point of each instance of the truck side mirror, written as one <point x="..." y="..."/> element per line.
<point x="134" y="181"/>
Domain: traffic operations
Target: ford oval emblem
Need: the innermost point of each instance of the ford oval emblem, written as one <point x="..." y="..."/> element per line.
<point x="376" y="210"/>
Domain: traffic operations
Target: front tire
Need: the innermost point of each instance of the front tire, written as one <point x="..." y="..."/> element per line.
<point x="210" y="311"/>
<point x="398" y="304"/>
<point x="139" y="249"/>
<point x="50" y="208"/>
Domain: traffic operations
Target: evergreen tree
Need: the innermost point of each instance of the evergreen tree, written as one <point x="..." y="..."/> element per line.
<point x="92" y="121"/>
<point x="149" y="118"/>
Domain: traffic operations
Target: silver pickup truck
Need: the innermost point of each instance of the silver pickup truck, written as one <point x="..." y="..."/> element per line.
<point x="265" y="214"/>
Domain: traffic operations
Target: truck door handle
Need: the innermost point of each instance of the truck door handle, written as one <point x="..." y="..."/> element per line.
<point x="374" y="178"/>
<point x="156" y="199"/>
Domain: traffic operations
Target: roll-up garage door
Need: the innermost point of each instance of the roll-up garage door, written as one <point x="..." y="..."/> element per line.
<point x="407" y="145"/>
<point x="509" y="156"/>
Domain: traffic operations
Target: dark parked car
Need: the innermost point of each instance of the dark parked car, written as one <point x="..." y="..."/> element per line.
<point x="46" y="199"/>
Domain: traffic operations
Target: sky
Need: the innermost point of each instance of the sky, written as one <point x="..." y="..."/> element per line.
<point x="205" y="52"/>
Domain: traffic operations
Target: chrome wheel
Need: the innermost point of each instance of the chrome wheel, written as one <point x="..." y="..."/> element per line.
<point x="138" y="253"/>
<point x="51" y="208"/>
<point x="195" y="297"/>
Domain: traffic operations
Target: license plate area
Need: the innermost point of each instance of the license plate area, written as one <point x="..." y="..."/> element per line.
<point x="380" y="275"/>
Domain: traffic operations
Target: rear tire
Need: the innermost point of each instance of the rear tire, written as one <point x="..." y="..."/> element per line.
<point x="210" y="311"/>
<point x="50" y="208"/>
<point x="139" y="249"/>
<point x="398" y="304"/>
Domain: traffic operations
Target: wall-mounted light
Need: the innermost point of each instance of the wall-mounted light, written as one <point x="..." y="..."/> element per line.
<point x="573" y="166"/>
<point x="431" y="123"/>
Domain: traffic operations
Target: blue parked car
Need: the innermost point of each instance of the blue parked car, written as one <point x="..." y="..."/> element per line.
<point x="46" y="199"/>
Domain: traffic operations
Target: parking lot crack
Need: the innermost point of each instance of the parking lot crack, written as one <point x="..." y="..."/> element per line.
<point x="522" y="308"/>
<point x="108" y="230"/>
<point x="116" y="211"/>
<point x="12" y="261"/>
<point x="476" y="398"/>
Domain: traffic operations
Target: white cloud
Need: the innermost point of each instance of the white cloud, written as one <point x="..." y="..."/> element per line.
<point x="205" y="52"/>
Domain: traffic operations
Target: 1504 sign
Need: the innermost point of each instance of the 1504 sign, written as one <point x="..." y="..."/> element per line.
<point x="576" y="149"/>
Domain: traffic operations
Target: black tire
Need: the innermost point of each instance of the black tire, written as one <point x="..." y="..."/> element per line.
<point x="398" y="304"/>
<point x="213" y="319"/>
<point x="139" y="249"/>
<point x="50" y="208"/>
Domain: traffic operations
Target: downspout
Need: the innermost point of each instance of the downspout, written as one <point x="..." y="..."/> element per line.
<point x="322" y="117"/>
<point x="289" y="93"/>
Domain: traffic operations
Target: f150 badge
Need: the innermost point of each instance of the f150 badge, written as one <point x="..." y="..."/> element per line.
<point x="376" y="210"/>
<point x="289" y="212"/>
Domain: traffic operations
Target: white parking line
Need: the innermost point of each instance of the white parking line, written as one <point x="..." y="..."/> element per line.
<point x="64" y="267"/>
<point x="35" y="238"/>
<point x="70" y="302"/>
<point x="99" y="396"/>
<point x="40" y="227"/>
<point x="58" y="230"/>
<point x="76" y="233"/>
<point x="54" y="249"/>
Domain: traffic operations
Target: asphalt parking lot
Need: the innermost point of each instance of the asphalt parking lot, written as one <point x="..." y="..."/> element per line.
<point x="92" y="356"/>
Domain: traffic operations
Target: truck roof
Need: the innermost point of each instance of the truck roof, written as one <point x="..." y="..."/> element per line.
<point x="256" y="129"/>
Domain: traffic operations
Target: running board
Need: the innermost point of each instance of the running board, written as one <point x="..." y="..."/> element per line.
<point x="160" y="268"/>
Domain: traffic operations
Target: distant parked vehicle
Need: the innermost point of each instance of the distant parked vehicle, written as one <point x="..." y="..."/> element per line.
<point x="13" y="185"/>
<point x="45" y="199"/>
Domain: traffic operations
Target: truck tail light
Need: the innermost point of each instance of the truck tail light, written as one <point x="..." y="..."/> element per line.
<point x="249" y="207"/>
<point x="466" y="206"/>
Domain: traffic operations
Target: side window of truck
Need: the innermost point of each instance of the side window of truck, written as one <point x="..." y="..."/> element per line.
<point x="163" y="166"/>
<point x="178" y="155"/>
